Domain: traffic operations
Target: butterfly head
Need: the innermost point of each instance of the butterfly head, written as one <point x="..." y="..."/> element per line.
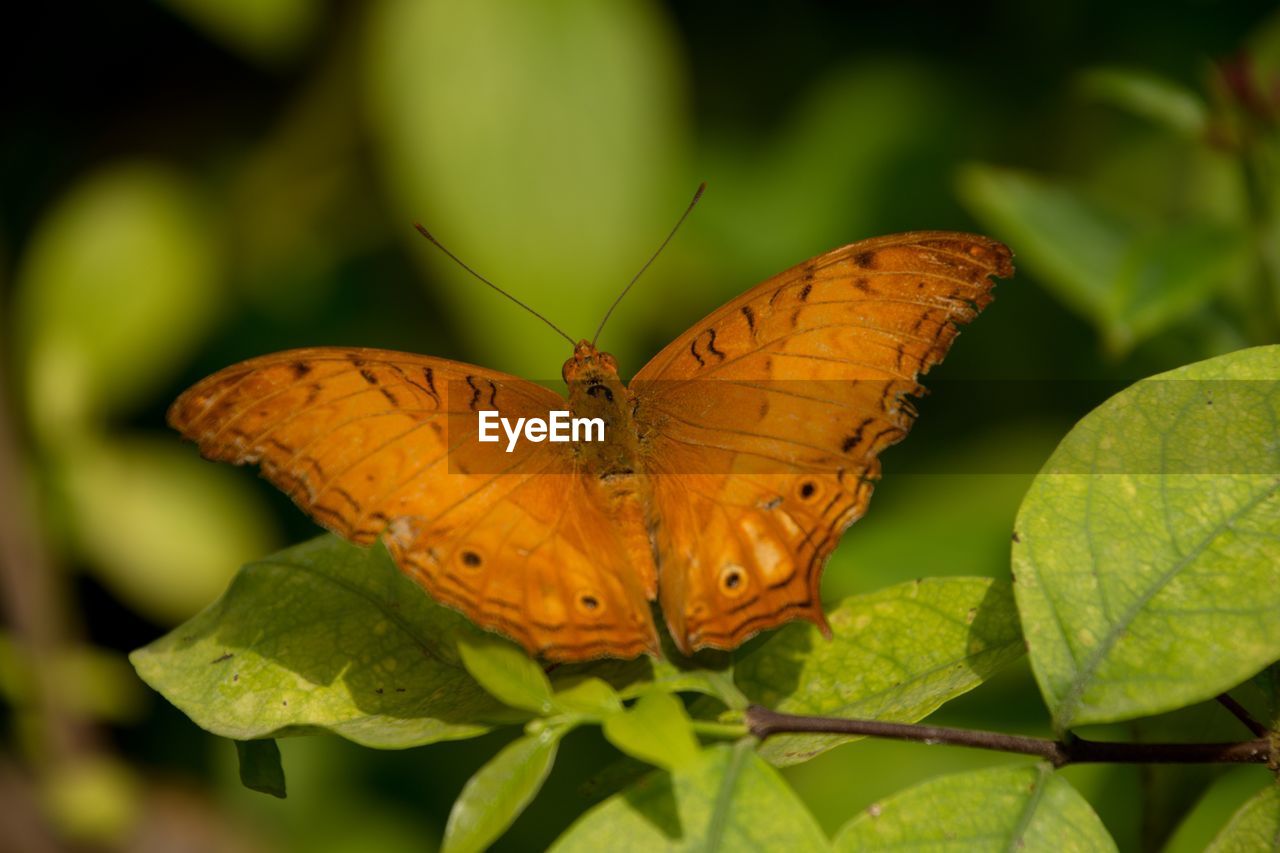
<point x="589" y="363"/>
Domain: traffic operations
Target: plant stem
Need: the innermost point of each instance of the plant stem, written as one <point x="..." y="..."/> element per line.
<point x="762" y="723"/>
<point x="707" y="728"/>
<point x="1241" y="714"/>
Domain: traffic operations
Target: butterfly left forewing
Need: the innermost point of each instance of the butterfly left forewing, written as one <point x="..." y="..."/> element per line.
<point x="764" y="421"/>
<point x="375" y="443"/>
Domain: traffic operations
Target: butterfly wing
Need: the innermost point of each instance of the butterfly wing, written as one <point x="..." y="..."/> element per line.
<point x="374" y="443"/>
<point x="764" y="421"/>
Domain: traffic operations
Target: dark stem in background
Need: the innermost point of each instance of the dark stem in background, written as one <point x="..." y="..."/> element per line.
<point x="762" y="723"/>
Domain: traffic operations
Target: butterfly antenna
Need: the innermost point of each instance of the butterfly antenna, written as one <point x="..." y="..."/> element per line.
<point x="425" y="233"/>
<point x="702" y="187"/>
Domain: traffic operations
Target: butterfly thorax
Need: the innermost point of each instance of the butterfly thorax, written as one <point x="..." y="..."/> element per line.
<point x="596" y="391"/>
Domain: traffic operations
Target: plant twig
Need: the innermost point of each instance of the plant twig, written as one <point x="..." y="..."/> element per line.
<point x="709" y="728"/>
<point x="762" y="723"/>
<point x="1243" y="715"/>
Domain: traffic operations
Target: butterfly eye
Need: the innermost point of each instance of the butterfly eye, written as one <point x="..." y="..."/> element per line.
<point x="588" y="602"/>
<point x="471" y="559"/>
<point x="733" y="580"/>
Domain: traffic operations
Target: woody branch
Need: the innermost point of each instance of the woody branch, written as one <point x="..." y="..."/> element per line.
<point x="763" y="723"/>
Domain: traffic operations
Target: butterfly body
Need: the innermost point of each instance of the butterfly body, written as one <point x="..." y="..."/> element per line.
<point x="614" y="468"/>
<point x="729" y="466"/>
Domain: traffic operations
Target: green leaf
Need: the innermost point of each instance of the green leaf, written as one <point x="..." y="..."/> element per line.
<point x="667" y="677"/>
<point x="1130" y="279"/>
<point x="267" y="30"/>
<point x="260" y="767"/>
<point x="673" y="811"/>
<point x="1025" y="808"/>
<point x="1147" y="552"/>
<point x="1168" y="275"/>
<point x="896" y="654"/>
<point x="506" y="672"/>
<point x="656" y="729"/>
<point x="119" y="285"/>
<point x="1071" y="241"/>
<point x="1261" y="55"/>
<point x="591" y="696"/>
<point x="1149" y="96"/>
<point x="324" y="635"/>
<point x="559" y="94"/>
<point x="1255" y="827"/>
<point x="500" y="790"/>
<point x="89" y="681"/>
<point x="1205" y="818"/>
<point x="139" y="508"/>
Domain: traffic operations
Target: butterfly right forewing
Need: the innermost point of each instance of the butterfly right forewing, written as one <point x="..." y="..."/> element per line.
<point x="766" y="419"/>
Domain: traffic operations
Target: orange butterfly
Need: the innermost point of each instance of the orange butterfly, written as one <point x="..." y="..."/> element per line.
<point x="730" y="467"/>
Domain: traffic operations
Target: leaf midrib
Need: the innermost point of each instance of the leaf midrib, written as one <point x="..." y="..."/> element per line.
<point x="1080" y="682"/>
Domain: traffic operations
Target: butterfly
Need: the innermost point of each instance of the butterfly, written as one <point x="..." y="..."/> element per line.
<point x="729" y="467"/>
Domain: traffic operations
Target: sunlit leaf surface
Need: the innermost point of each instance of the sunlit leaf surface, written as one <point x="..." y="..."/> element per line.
<point x="1255" y="828"/>
<point x="1147" y="554"/>
<point x="896" y="654"/>
<point x="323" y="635"/>
<point x="674" y="811"/>
<point x="1026" y="808"/>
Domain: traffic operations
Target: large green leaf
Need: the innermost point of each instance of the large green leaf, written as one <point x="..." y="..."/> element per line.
<point x="1025" y="808"/>
<point x="324" y="635"/>
<point x="896" y="654"/>
<point x="1253" y="829"/>
<point x="499" y="791"/>
<point x="676" y="811"/>
<point x="539" y="142"/>
<point x="1147" y="552"/>
<point x="1131" y="278"/>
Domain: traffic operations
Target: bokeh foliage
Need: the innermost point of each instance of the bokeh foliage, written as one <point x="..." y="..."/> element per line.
<point x="258" y="193"/>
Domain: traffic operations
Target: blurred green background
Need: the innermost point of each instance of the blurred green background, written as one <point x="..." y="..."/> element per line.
<point x="185" y="183"/>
